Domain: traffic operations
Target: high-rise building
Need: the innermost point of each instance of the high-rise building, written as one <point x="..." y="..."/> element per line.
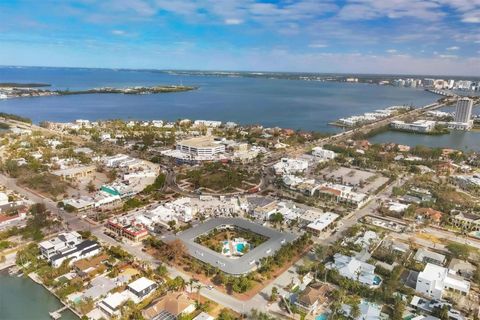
<point x="463" y="111"/>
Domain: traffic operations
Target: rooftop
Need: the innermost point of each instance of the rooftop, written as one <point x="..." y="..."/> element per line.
<point x="249" y="260"/>
<point x="200" y="142"/>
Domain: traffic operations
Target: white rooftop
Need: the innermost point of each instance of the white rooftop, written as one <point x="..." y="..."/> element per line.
<point x="141" y="284"/>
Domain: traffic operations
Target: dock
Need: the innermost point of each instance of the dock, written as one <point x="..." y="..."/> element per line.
<point x="58" y="313"/>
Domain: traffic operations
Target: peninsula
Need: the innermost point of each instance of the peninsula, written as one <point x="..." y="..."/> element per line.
<point x="8" y="91"/>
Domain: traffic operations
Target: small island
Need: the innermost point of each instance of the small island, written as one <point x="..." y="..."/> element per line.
<point x="15" y="90"/>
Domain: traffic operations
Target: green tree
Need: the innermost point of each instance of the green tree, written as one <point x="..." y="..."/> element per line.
<point x="459" y="250"/>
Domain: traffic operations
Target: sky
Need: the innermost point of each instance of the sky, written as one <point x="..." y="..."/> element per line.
<point x="439" y="37"/>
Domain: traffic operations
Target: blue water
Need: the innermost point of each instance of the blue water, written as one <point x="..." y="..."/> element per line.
<point x="461" y="140"/>
<point x="377" y="280"/>
<point x="240" y="247"/>
<point x="295" y="104"/>
<point x="21" y="298"/>
<point x="323" y="316"/>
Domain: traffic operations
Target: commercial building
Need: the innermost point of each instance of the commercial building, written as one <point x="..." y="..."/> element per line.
<point x="319" y="225"/>
<point x="205" y="146"/>
<point x="434" y="280"/>
<point x="463" y="110"/>
<point x="417" y="126"/>
<point x="127" y="227"/>
<point x="75" y="173"/>
<point x="290" y="166"/>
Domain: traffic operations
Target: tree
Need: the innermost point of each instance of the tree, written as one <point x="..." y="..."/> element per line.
<point x="226" y="315"/>
<point x="257" y="315"/>
<point x="458" y="250"/>
<point x="90" y="187"/>
<point x="441" y="313"/>
<point x="398" y="310"/>
<point x="276" y="218"/>
<point x="320" y="252"/>
<point x="161" y="270"/>
<point x="274" y="294"/>
<point x="355" y="311"/>
<point x="171" y="224"/>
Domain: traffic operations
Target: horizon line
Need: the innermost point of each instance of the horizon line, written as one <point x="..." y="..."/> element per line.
<point x="240" y="71"/>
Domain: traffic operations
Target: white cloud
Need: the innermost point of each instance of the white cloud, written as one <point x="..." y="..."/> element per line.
<point x="119" y="32"/>
<point x="233" y="21"/>
<point x="448" y="56"/>
<point x="392" y="50"/>
<point x="454" y="48"/>
<point x="317" y="45"/>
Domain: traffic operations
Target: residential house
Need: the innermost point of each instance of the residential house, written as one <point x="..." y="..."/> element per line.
<point x="352" y="268"/>
<point x="170" y="306"/>
<point x="312" y="297"/>
<point x="426" y="256"/>
<point x="434" y="280"/>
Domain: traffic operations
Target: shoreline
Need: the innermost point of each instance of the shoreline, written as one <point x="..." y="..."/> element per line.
<point x="31" y="277"/>
<point x="14" y="92"/>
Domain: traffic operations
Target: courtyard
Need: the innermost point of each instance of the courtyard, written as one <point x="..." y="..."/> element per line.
<point x="262" y="242"/>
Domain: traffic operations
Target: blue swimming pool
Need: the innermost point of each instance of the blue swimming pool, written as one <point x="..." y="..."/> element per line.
<point x="377" y="280"/>
<point x="323" y="316"/>
<point x="240" y="247"/>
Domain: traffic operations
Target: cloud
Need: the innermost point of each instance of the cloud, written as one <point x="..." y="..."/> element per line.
<point x="119" y="32"/>
<point x="317" y="45"/>
<point x="233" y="21"/>
<point x="372" y="9"/>
<point x="392" y="50"/>
<point x="454" y="48"/>
<point x="448" y="56"/>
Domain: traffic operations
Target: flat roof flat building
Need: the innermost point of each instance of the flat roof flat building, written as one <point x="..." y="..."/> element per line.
<point x="201" y="146"/>
<point x="463" y="111"/>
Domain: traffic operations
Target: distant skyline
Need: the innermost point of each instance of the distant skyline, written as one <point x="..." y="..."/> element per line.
<point x="348" y="36"/>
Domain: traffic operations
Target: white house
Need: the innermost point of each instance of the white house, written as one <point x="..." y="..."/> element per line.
<point x="68" y="246"/>
<point x="290" y="166"/>
<point x="352" y="268"/>
<point x="434" y="280"/>
<point x="323" y="154"/>
<point x="141" y="288"/>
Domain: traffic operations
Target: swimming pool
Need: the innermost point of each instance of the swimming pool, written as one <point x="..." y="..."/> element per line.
<point x="323" y="316"/>
<point x="377" y="280"/>
<point x="240" y="247"/>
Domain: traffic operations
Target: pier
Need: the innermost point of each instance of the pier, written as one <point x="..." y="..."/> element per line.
<point x="58" y="313"/>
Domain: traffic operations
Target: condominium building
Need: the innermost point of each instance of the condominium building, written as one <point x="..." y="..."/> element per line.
<point x="417" y="126"/>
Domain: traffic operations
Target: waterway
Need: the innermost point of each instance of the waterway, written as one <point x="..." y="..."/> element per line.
<point x="23" y="299"/>
<point x="460" y="140"/>
<point x="296" y="104"/>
